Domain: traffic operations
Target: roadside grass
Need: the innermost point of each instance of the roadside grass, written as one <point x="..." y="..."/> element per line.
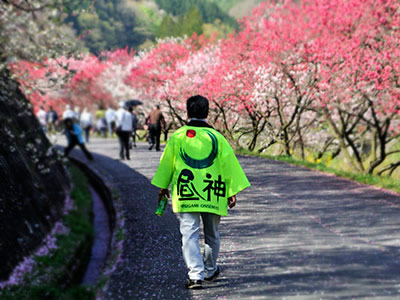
<point x="336" y="168"/>
<point x="57" y="275"/>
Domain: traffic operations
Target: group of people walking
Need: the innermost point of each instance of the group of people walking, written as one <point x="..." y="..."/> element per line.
<point x="49" y="120"/>
<point x="109" y="120"/>
<point x="126" y="126"/>
<point x="122" y="122"/>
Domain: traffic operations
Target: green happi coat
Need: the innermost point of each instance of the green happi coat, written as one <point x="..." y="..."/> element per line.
<point x="202" y="169"/>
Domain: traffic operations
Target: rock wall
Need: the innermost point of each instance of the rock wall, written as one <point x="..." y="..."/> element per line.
<point x="33" y="182"/>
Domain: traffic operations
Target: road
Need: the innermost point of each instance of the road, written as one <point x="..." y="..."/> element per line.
<point x="295" y="234"/>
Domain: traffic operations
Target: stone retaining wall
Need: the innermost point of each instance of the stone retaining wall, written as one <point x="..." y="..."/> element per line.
<point x="33" y="181"/>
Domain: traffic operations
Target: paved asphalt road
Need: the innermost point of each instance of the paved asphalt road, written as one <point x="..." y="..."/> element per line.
<point x="295" y="234"/>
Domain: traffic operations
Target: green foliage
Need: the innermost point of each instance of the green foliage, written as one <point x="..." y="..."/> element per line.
<point x="218" y="28"/>
<point x="127" y="23"/>
<point x="225" y="5"/>
<point x="47" y="279"/>
<point x="74" y="5"/>
<point x="192" y="22"/>
<point x="210" y="11"/>
<point x="185" y="25"/>
<point x="88" y="21"/>
<point x="149" y="19"/>
<point x="111" y="25"/>
<point x="167" y="27"/>
<point x="240" y="8"/>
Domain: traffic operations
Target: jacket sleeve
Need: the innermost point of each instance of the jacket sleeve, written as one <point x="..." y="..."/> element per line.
<point x="236" y="179"/>
<point x="166" y="168"/>
<point x="78" y="133"/>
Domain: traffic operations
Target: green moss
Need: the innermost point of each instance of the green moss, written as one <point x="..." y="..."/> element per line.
<point x="52" y="277"/>
<point x="120" y="235"/>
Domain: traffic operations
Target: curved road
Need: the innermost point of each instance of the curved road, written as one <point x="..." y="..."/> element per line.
<point x="295" y="234"/>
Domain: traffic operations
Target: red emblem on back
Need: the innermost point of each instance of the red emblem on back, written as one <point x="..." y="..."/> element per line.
<point x="190" y="133"/>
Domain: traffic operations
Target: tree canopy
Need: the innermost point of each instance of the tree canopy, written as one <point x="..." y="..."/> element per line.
<point x="191" y="22"/>
<point x="111" y="24"/>
<point x="33" y="30"/>
<point x="210" y="11"/>
<point x="116" y="24"/>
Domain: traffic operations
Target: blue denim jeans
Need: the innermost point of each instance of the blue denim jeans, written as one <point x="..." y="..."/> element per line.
<point x="200" y="266"/>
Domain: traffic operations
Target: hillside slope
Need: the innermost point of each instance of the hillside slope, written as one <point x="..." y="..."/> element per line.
<point x="242" y="8"/>
<point x="115" y="24"/>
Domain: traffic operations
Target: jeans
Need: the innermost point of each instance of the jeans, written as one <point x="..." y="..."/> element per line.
<point x="200" y="266"/>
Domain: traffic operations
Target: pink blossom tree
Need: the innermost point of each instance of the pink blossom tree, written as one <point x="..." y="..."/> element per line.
<point x="356" y="50"/>
<point x="156" y="74"/>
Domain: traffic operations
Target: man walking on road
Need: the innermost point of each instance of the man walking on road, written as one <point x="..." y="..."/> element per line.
<point x="134" y="127"/>
<point x="156" y="122"/>
<point x="205" y="177"/>
<point x="110" y="116"/>
<point x="124" y="130"/>
<point x="74" y="137"/>
<point x="86" y="123"/>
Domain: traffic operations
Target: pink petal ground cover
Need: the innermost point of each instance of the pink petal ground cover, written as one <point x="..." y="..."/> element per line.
<point x="49" y="243"/>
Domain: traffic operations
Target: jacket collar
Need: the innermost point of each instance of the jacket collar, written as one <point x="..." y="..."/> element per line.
<point x="198" y="123"/>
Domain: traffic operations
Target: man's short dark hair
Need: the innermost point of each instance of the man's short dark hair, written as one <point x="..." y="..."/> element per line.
<point x="68" y="122"/>
<point x="197" y="107"/>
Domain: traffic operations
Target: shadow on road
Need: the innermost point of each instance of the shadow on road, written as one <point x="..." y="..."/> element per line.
<point x="299" y="233"/>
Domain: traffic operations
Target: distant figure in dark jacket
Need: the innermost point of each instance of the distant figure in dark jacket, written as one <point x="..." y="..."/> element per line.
<point x="74" y="136"/>
<point x="134" y="127"/>
<point x="156" y="122"/>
